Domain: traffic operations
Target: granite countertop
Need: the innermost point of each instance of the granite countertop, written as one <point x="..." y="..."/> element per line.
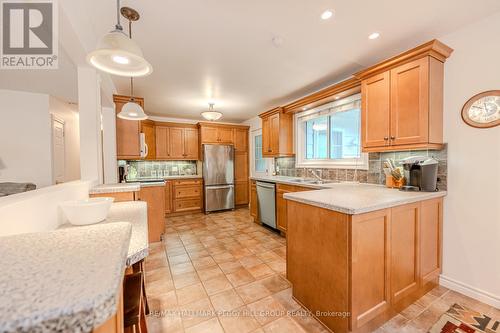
<point x="64" y="280"/>
<point x="353" y="199"/>
<point x="115" y="188"/>
<point x="136" y="213"/>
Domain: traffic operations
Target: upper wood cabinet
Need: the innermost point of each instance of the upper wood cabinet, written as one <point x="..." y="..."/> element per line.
<point x="240" y="139"/>
<point x="216" y="133"/>
<point x="148" y="129"/>
<point x="176" y="142"/>
<point x="402" y="100"/>
<point x="277" y="133"/>
<point x="127" y="131"/>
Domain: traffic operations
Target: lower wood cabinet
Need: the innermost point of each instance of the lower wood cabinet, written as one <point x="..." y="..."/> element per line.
<point x="118" y="196"/>
<point x="241" y="192"/>
<point x="254" y="204"/>
<point x="281" y="206"/>
<point x="183" y="195"/>
<point x="372" y="265"/>
<point x="155" y="197"/>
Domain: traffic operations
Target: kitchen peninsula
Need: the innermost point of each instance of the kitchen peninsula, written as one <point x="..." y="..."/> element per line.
<point x="371" y="251"/>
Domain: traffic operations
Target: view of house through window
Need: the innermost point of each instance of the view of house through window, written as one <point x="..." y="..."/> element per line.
<point x="330" y="135"/>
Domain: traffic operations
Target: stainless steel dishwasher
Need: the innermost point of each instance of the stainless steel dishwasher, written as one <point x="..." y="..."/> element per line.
<point x="266" y="196"/>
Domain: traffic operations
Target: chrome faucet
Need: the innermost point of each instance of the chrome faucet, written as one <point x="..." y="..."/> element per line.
<point x="315" y="175"/>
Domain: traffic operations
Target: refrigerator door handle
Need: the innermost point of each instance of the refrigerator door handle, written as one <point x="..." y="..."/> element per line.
<point x="219" y="187"/>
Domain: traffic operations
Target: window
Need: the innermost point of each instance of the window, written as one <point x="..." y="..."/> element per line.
<point x="330" y="136"/>
<point x="260" y="163"/>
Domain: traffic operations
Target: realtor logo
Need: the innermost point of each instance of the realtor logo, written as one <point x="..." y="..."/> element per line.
<point x="29" y="34"/>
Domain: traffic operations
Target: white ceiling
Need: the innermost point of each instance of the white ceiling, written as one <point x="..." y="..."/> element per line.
<point x="222" y="50"/>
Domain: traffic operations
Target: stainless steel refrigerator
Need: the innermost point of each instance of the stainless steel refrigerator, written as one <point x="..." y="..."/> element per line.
<point x="218" y="177"/>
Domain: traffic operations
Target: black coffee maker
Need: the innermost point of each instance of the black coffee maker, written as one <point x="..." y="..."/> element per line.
<point x="420" y="173"/>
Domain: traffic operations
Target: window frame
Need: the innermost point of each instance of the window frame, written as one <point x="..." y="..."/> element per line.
<point x="360" y="163"/>
<point x="253" y="171"/>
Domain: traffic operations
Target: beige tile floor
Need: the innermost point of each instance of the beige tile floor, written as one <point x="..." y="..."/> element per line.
<point x="223" y="273"/>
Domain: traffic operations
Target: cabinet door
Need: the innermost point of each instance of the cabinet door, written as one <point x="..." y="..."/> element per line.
<point x="240" y="139"/>
<point x="127" y="136"/>
<point x="375" y="106"/>
<point x="241" y="166"/>
<point x="148" y="128"/>
<point x="191" y="143"/>
<point x="404" y="251"/>
<point x="266" y="139"/>
<point x="410" y="103"/>
<point x="370" y="266"/>
<point x="168" y="198"/>
<point x="253" y="202"/>
<point x="225" y="135"/>
<point x="241" y="192"/>
<point x="209" y="134"/>
<point x="176" y="142"/>
<point x="274" y="128"/>
<point x="162" y="142"/>
<point x="431" y="227"/>
<point x="155" y="197"/>
<point x="281" y="210"/>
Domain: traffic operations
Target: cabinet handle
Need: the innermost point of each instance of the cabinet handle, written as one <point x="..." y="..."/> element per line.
<point x="386" y="138"/>
<point x="393" y="138"/>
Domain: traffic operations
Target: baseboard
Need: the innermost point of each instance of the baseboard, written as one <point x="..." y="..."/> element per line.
<point x="470" y="291"/>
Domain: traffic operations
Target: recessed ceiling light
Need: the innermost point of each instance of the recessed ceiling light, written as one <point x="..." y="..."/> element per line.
<point x="326" y="14"/>
<point x="374" y="35"/>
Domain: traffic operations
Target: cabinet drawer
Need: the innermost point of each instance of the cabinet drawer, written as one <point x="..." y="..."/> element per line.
<point x="187" y="192"/>
<point x="187" y="204"/>
<point x="187" y="182"/>
<point x="284" y="187"/>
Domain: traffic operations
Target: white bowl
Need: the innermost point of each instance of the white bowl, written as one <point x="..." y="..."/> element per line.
<point x="89" y="211"/>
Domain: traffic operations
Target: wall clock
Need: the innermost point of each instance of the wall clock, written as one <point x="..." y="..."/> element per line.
<point x="483" y="110"/>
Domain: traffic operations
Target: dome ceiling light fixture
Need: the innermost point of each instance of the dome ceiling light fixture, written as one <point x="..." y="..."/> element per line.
<point x="131" y="110"/>
<point x="116" y="53"/>
<point x="211" y="114"/>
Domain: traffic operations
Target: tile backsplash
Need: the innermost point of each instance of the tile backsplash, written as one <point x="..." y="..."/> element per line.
<point x="159" y="169"/>
<point x="374" y="174"/>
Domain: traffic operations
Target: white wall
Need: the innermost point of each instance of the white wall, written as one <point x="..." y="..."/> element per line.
<point x="472" y="208"/>
<point x="25" y="138"/>
<point x="69" y="114"/>
<point x="89" y="106"/>
<point x="109" y="145"/>
<point x="38" y="211"/>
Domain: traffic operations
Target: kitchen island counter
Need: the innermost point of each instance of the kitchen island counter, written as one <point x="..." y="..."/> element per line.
<point x="66" y="280"/>
<point x="349" y="198"/>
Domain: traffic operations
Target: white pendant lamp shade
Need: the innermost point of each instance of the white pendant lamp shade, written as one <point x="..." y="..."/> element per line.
<point x="211" y="114"/>
<point x="117" y="54"/>
<point x="132" y="111"/>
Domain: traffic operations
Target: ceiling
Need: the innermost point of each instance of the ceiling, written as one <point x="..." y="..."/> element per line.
<point x="223" y="50"/>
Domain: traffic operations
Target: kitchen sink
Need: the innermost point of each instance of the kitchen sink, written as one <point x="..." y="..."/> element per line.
<point x="312" y="181"/>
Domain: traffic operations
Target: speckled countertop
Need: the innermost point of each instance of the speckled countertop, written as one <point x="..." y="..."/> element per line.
<point x="136" y="213"/>
<point x="115" y="188"/>
<point x="359" y="198"/>
<point x="64" y="280"/>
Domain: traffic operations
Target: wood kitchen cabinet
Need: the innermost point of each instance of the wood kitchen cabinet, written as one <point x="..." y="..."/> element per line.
<point x="281" y="203"/>
<point x="168" y="197"/>
<point x="127" y="131"/>
<point x="254" y="204"/>
<point x="241" y="178"/>
<point x="241" y="139"/>
<point x="277" y="133"/>
<point x="155" y="197"/>
<point x="186" y="194"/>
<point x="215" y="133"/>
<point x="402" y="100"/>
<point x="372" y="264"/>
<point x="176" y="141"/>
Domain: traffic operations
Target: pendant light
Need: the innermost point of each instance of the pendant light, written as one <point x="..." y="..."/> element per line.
<point x="131" y="110"/>
<point x="118" y="54"/>
<point x="211" y="114"/>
